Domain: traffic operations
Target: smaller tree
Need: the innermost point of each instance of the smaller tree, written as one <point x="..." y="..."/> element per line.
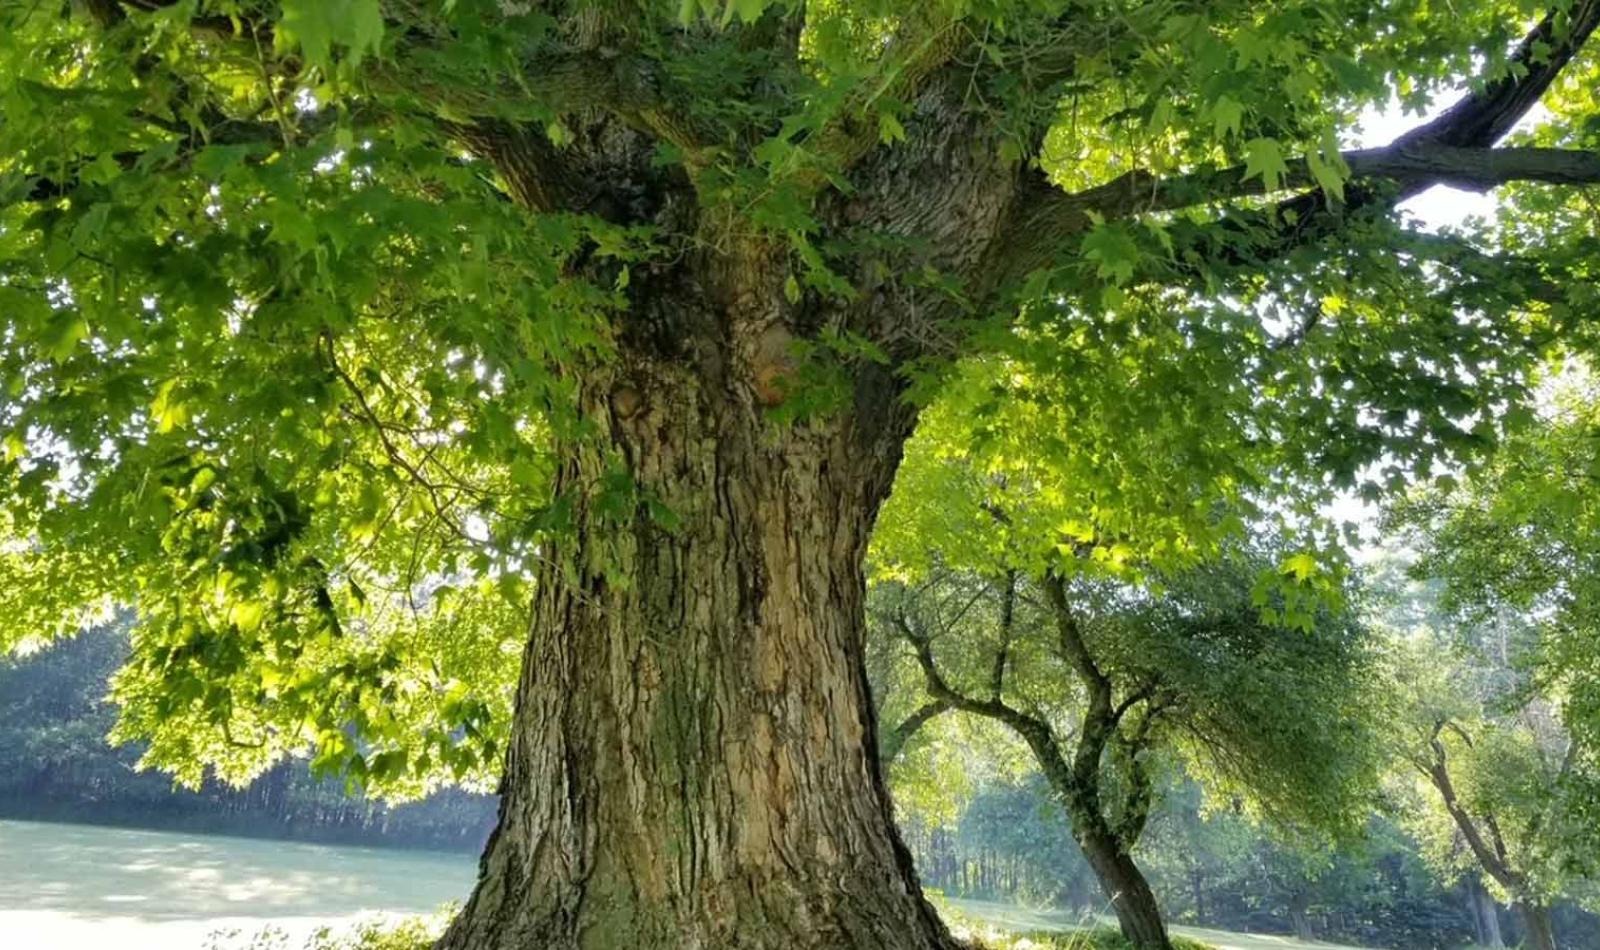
<point x="1102" y="679"/>
<point x="1498" y="774"/>
<point x="1506" y="735"/>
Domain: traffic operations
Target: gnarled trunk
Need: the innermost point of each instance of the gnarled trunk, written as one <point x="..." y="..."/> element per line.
<point x="693" y="762"/>
<point x="1138" y="913"/>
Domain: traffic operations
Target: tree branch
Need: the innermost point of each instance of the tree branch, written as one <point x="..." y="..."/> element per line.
<point x="1484" y="117"/>
<point x="1139" y="791"/>
<point x="1008" y="612"/>
<point x="1073" y="647"/>
<point x="925" y="42"/>
<point x="891" y="744"/>
<point x="1034" y="731"/>
<point x="560" y="82"/>
<point x="1493" y="860"/>
<point x="1054" y="217"/>
<point x="1454" y="148"/>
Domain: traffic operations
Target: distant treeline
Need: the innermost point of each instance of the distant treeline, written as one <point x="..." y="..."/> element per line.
<point x="1010" y="843"/>
<point x="55" y="764"/>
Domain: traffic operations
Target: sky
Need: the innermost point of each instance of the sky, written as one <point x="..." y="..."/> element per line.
<point x="1439" y="207"/>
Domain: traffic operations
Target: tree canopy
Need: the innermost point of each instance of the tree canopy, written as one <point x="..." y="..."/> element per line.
<point x="282" y="346"/>
<point x="359" y="345"/>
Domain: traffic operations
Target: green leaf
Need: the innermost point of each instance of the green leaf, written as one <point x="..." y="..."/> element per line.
<point x="321" y="25"/>
<point x="1226" y="115"/>
<point x="65" y="333"/>
<point x="1113" y="251"/>
<point x="1299" y="566"/>
<point x="890" y="129"/>
<point x="247" y="615"/>
<point x="1264" y="159"/>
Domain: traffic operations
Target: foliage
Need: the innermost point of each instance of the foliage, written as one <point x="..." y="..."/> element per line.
<point x="1214" y="866"/>
<point x="1203" y="678"/>
<point x="1514" y="550"/>
<point x="294" y="329"/>
<point x="1007" y="841"/>
<point x="1488" y="777"/>
<point x="409" y="933"/>
<point x="59" y="766"/>
<point x="1106" y="683"/>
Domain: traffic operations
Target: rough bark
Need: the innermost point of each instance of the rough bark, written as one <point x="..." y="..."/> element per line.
<point x="694" y="761"/>
<point x="1300" y="918"/>
<point x="693" y="757"/>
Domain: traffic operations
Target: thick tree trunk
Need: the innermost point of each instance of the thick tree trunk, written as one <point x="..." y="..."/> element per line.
<point x="1138" y="913"/>
<point x="693" y="757"/>
<point x="1538" y="932"/>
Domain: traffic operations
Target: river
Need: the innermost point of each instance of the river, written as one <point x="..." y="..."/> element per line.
<point x="65" y="887"/>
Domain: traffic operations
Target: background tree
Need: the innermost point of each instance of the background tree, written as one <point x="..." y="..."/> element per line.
<point x="54" y="720"/>
<point x="617" y="314"/>
<point x="1514" y="553"/>
<point x="1504" y="789"/>
<point x="1099" y="680"/>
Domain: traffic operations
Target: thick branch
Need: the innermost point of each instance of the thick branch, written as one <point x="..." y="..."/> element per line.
<point x="1484" y="117"/>
<point x="1008" y="613"/>
<point x="891" y="743"/>
<point x="1138" y="792"/>
<point x="1074" y="649"/>
<point x="625" y="85"/>
<point x="925" y="42"/>
<point x="1099" y="718"/>
<point x="1054" y="217"/>
<point x="1492" y="859"/>
<point x="1033" y="731"/>
<point x="1476" y="169"/>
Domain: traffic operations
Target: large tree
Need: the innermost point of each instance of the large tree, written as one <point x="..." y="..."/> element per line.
<point x="331" y="320"/>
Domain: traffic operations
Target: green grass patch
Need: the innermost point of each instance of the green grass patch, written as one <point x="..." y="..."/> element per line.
<point x="1100" y="938"/>
<point x="409" y="933"/>
<point x="999" y="927"/>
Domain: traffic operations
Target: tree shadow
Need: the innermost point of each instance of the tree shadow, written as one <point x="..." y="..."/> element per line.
<point x="96" y="872"/>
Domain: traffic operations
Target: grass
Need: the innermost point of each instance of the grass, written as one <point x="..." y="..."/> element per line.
<point x="1009" y="927"/>
<point x="409" y="933"/>
<point x="986" y="925"/>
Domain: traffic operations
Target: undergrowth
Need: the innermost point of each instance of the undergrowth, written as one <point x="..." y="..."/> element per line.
<point x="406" y="933"/>
<point x="1103" y="938"/>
